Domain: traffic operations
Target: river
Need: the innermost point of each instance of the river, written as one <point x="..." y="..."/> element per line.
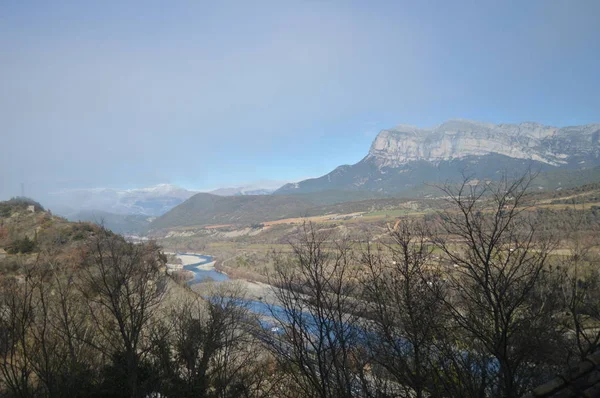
<point x="202" y="270"/>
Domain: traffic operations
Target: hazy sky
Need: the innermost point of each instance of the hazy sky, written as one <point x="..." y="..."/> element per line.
<point x="206" y="94"/>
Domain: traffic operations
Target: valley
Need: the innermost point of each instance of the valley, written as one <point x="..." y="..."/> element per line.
<point x="300" y="199"/>
<point x="402" y="168"/>
<point x="246" y="252"/>
<point x="290" y="276"/>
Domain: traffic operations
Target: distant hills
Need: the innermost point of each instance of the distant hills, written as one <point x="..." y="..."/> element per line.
<point x="405" y="157"/>
<point x="126" y="224"/>
<point x="240" y="191"/>
<point x="262" y="187"/>
<point x="131" y="211"/>
<point x="404" y="161"/>
<point x="150" y="201"/>
<point x="206" y="208"/>
<point x="127" y="211"/>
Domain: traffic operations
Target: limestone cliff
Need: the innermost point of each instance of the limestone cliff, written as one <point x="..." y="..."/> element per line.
<point x="457" y="139"/>
<point x="404" y="157"/>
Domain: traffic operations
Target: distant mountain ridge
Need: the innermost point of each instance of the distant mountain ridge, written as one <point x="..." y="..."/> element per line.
<point x="150" y="201"/>
<point x="262" y="187"/>
<point x="205" y="209"/>
<point x="126" y="224"/>
<point x="457" y="139"/>
<point x="405" y="156"/>
<point x="240" y="191"/>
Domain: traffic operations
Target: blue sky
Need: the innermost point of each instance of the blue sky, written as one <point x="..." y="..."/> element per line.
<point x="205" y="94"/>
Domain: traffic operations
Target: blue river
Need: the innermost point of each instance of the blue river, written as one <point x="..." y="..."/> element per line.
<point x="201" y="274"/>
<point x="270" y="310"/>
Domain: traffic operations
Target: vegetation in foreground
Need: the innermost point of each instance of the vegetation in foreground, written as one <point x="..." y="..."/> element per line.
<point x="469" y="303"/>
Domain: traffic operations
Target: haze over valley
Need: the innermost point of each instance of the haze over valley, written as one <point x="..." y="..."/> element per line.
<point x="402" y="162"/>
<point x="324" y="199"/>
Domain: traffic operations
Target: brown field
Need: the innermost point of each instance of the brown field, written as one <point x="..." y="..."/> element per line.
<point x="318" y="219"/>
<point x="294" y="220"/>
<point x="217" y="226"/>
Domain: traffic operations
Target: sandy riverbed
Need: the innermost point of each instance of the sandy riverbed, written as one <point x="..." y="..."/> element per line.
<point x="253" y="290"/>
<point x="189" y="260"/>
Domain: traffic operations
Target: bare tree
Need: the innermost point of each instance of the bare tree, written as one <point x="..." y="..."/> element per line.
<point x="123" y="284"/>
<point x="214" y="350"/>
<point x="318" y="342"/>
<point x="580" y="285"/>
<point x="62" y="335"/>
<point x="501" y="306"/>
<point x="45" y="327"/>
<point x="403" y="291"/>
<point x="16" y="318"/>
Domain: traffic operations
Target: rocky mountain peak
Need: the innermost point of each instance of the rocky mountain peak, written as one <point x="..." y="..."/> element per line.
<point x="459" y="138"/>
<point x="405" y="156"/>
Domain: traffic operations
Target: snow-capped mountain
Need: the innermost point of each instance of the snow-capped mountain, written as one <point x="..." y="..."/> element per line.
<point x="150" y="201"/>
<point x="264" y="187"/>
<point x="237" y="191"/>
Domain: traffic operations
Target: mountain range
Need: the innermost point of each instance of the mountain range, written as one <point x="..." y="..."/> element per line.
<point x="241" y="191"/>
<point x="404" y="157"/>
<point x="398" y="163"/>
<point x="207" y="209"/>
<point x="262" y="187"/>
<point x="130" y="211"/>
<point x="150" y="201"/>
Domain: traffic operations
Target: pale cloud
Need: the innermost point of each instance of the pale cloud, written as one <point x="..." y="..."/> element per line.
<point x="130" y="95"/>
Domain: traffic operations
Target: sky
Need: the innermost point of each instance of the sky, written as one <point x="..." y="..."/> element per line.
<point x="207" y="94"/>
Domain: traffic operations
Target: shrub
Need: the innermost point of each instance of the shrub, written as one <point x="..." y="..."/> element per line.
<point x="24" y="246"/>
<point x="18" y="203"/>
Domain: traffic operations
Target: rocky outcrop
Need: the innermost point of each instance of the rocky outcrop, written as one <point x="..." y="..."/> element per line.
<point x="404" y="157"/>
<point x="457" y="139"/>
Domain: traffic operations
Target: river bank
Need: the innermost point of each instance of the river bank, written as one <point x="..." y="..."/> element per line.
<point x="204" y="270"/>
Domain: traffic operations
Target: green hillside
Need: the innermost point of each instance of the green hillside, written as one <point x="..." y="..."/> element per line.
<point x="206" y="209"/>
<point x="367" y="175"/>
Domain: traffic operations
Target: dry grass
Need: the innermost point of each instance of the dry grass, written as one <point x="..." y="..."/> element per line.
<point x="217" y="226"/>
